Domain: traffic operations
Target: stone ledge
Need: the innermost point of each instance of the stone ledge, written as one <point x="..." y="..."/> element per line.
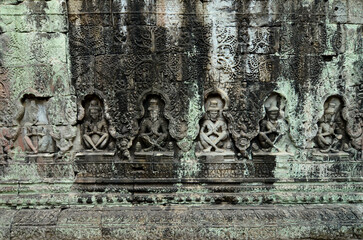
<point x="187" y="222"/>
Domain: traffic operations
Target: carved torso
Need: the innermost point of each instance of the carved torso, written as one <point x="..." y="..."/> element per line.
<point x="95" y="127"/>
<point x="214" y="128"/>
<point x="155" y="128"/>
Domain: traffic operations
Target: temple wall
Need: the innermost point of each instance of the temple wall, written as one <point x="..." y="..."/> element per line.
<point x="239" y="110"/>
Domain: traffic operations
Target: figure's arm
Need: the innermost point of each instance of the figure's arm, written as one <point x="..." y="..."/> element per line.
<point x="320" y="130"/>
<point x="164" y="129"/>
<point x="209" y="130"/>
<point x="325" y="133"/>
<point x="103" y="128"/>
<point x="337" y="134"/>
<point x="264" y="129"/>
<point x="30" y="144"/>
<point x="202" y="133"/>
<point x="86" y="129"/>
<point x="205" y="136"/>
<point x="144" y="129"/>
<point x="223" y="135"/>
<point x="270" y="127"/>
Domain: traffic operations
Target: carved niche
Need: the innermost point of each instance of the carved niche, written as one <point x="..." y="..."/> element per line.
<point x="35" y="128"/>
<point x="214" y="137"/>
<point x="272" y="127"/>
<point x="95" y="130"/>
<point x="332" y="136"/>
<point x="153" y="136"/>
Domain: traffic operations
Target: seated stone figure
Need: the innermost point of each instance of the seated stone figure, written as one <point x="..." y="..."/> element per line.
<point x="95" y="129"/>
<point x="273" y="126"/>
<point x="328" y="137"/>
<point x="38" y="139"/>
<point x="213" y="134"/>
<point x="35" y="128"/>
<point x="154" y="129"/>
<point x="269" y="129"/>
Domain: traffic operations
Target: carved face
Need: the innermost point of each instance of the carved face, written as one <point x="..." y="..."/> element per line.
<point x="154" y="114"/>
<point x="328" y="117"/>
<point x="213" y="115"/>
<point x="94" y="113"/>
<point x="32" y="102"/>
<point x="273" y="115"/>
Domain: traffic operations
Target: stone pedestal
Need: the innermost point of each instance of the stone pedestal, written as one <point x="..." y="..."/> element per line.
<point x="40" y="157"/>
<point x="265" y="163"/>
<point x="340" y="156"/>
<point x="90" y="164"/>
<point x="227" y="156"/>
<point x="153" y="156"/>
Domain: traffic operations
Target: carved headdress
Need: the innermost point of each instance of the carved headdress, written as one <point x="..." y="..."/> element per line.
<point x="331" y="108"/>
<point x="153" y="104"/>
<point x="94" y="106"/>
<point x="271" y="104"/>
<point x="215" y="104"/>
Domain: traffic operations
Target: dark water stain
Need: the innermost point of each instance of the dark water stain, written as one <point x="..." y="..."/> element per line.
<point x="195" y="46"/>
<point x="37" y="8"/>
<point x="309" y="41"/>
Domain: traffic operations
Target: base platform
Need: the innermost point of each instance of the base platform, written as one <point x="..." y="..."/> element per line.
<point x="186" y="222"/>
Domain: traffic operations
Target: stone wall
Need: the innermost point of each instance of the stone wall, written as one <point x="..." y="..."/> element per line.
<point x="123" y="104"/>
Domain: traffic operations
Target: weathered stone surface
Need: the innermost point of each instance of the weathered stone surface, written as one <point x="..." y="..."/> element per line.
<point x="181" y="222"/>
<point x="169" y="119"/>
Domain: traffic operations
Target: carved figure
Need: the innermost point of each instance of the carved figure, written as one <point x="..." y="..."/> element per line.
<point x="213" y="133"/>
<point x="35" y="131"/>
<point x="33" y="111"/>
<point x="270" y="126"/>
<point x="64" y="138"/>
<point x="330" y="130"/>
<point x="95" y="129"/>
<point x="269" y="129"/>
<point x="38" y="139"/>
<point x="7" y="137"/>
<point x="154" y="129"/>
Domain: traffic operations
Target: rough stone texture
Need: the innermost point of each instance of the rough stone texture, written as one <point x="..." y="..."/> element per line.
<point x="180" y="222"/>
<point x="181" y="119"/>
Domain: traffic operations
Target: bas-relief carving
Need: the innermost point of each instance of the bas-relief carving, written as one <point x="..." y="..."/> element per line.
<point x="35" y="129"/>
<point x="214" y="136"/>
<point x="7" y="138"/>
<point x="38" y="139"/>
<point x="154" y="129"/>
<point x="95" y="129"/>
<point x="64" y="136"/>
<point x="354" y="127"/>
<point x="272" y="127"/>
<point x="3" y="91"/>
<point x="153" y="134"/>
<point x="332" y="136"/>
<point x="4" y="88"/>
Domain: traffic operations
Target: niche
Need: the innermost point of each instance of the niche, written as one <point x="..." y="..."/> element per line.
<point x="154" y="128"/>
<point x="95" y="128"/>
<point x="214" y="138"/>
<point x="331" y="136"/>
<point x="35" y="128"/>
